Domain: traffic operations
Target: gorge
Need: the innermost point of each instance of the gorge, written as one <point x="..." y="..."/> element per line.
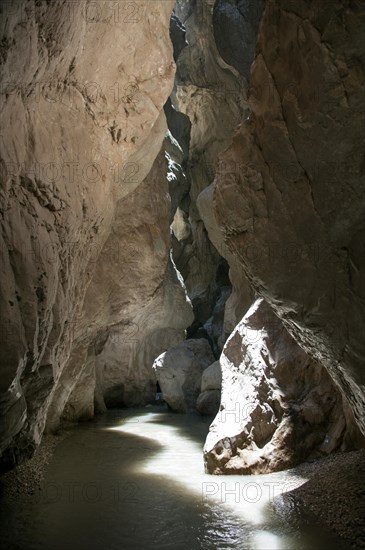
<point x="182" y="201"/>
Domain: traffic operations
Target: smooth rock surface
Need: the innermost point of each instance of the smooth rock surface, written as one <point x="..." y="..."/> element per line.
<point x="135" y="307"/>
<point x="179" y="371"/>
<point x="212" y="377"/>
<point x="208" y="402"/>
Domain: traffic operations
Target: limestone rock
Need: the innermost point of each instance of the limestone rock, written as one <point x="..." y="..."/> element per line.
<point x="135" y="308"/>
<point x="208" y="402"/>
<point x="278" y="407"/>
<point x="82" y="91"/>
<point x="290" y="199"/>
<point x="235" y="25"/>
<point x="241" y="296"/>
<point x="179" y="371"/>
<point x="212" y="377"/>
<point x="211" y="94"/>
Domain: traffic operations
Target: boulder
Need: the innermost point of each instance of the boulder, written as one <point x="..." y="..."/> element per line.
<point x="208" y="402"/>
<point x="212" y="377"/>
<point x="179" y="371"/>
<point x="278" y="406"/>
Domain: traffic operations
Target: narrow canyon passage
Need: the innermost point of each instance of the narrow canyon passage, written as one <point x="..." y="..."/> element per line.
<point x="134" y="479"/>
<point x="182" y="274"/>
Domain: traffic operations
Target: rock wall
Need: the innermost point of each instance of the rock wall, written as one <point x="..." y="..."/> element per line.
<point x="135" y="308"/>
<point x="94" y="194"/>
<point x="259" y="214"/>
<point x="81" y="125"/>
<point x="211" y="95"/>
<point x="291" y="199"/>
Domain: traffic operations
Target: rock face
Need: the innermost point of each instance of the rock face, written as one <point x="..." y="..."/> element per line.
<point x="179" y="371"/>
<point x="118" y="235"/>
<point x="241" y="295"/>
<point x="208" y="402"/>
<point x="135" y="307"/>
<point x="210" y="95"/>
<point x="278" y="407"/>
<point x="82" y="108"/>
<point x="235" y="24"/>
<point x="210" y="397"/>
<point x="291" y="199"/>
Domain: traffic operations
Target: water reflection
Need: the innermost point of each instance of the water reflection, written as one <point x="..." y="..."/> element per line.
<point x="135" y="480"/>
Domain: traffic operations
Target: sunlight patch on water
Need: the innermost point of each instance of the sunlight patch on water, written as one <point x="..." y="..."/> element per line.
<point x="180" y="458"/>
<point x="135" y="479"/>
<point x="265" y="539"/>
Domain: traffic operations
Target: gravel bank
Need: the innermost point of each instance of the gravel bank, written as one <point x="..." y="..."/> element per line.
<point x="27" y="478"/>
<point x="335" y="494"/>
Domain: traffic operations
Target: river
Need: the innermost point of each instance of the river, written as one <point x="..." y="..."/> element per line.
<point x="134" y="479"/>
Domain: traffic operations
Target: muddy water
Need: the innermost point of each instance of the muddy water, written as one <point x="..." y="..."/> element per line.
<point x="135" y="480"/>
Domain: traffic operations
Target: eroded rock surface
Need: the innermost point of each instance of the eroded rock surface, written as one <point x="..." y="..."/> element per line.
<point x="82" y="92"/>
<point x="210" y="94"/>
<point x="291" y="199"/>
<point x="91" y="182"/>
<point x="179" y="371"/>
<point x="135" y="308"/>
<point x="278" y="406"/>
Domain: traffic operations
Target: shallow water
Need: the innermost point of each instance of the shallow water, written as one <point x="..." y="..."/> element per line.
<point x="135" y="480"/>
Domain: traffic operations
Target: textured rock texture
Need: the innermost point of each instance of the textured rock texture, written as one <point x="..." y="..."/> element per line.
<point x="235" y="24"/>
<point x="291" y="199"/>
<point x="135" y="308"/>
<point x="210" y="94"/>
<point x="83" y="86"/>
<point x="95" y="193"/>
<point x="179" y="371"/>
<point x="241" y="295"/>
<point x="278" y="406"/>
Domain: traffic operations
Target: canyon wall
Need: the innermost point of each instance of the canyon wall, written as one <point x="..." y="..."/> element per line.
<point x="291" y="200"/>
<point x="268" y="240"/>
<point x="85" y="259"/>
<point x="212" y="95"/>
<point x="139" y="207"/>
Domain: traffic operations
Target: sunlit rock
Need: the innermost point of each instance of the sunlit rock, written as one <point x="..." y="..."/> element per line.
<point x="278" y="407"/>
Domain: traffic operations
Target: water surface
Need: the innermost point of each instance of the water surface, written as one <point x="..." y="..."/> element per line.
<point x="135" y="480"/>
